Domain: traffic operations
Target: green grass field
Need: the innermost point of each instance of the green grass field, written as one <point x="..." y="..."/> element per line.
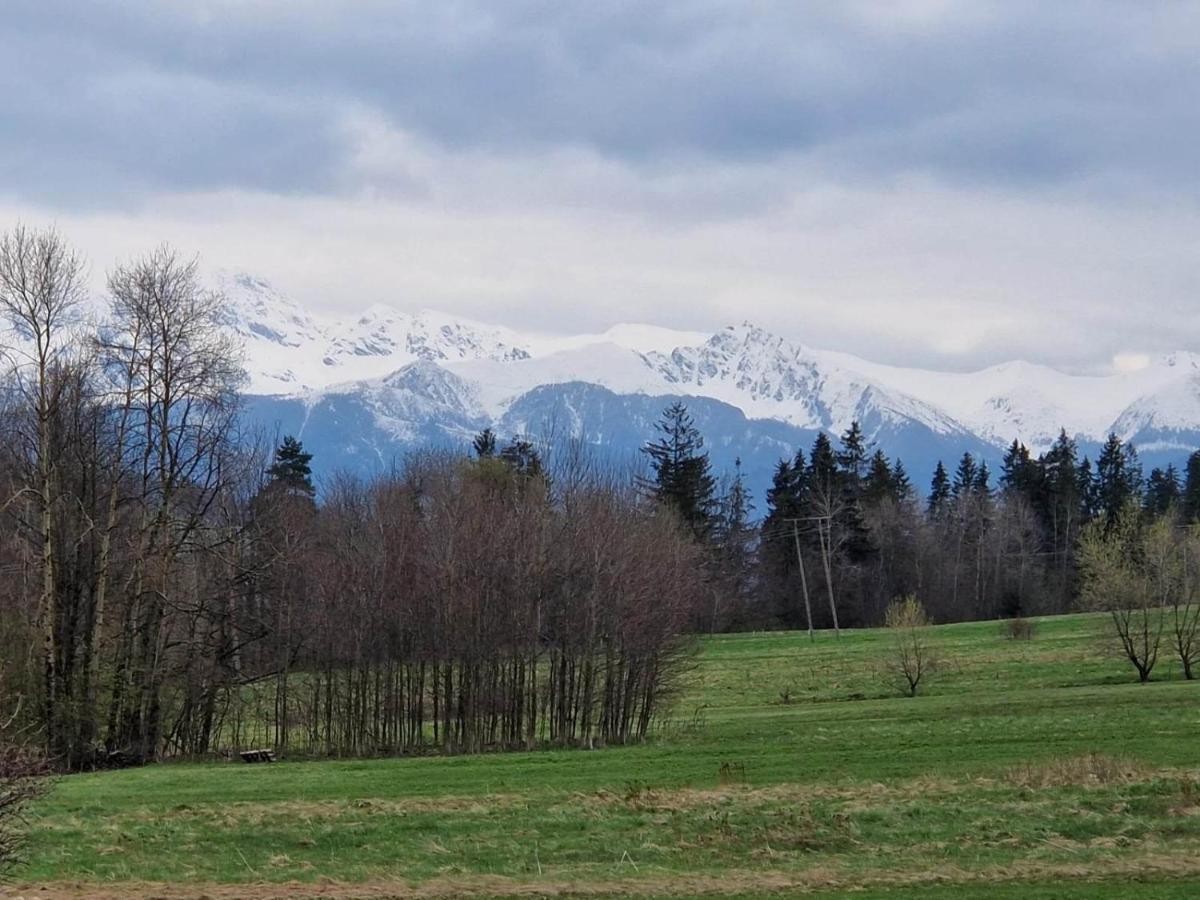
<point x="1028" y="769"/>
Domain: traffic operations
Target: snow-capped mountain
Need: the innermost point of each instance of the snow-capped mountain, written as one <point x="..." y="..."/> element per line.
<point x="1034" y="403"/>
<point x="289" y="349"/>
<point x="368" y="387"/>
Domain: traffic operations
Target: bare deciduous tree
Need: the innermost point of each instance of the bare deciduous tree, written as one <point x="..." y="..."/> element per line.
<point x="1131" y="575"/>
<point x="41" y="285"/>
<point x="911" y="654"/>
<point x="180" y="374"/>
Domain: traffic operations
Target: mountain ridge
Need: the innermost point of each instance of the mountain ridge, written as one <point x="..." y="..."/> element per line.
<point x="292" y="351"/>
<point x="363" y="390"/>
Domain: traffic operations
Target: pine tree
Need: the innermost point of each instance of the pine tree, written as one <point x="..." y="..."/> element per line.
<point x="783" y="496"/>
<point x="1060" y="499"/>
<point x="1018" y="472"/>
<point x="735" y="506"/>
<point x="901" y="484"/>
<point x="822" y="476"/>
<point x="981" y="487"/>
<point x="964" y="477"/>
<point x="522" y="457"/>
<point x="1162" y="491"/>
<point x="852" y="457"/>
<point x="682" y="479"/>
<point x="853" y="535"/>
<point x="485" y="444"/>
<point x="291" y="469"/>
<point x="1085" y="480"/>
<point x="777" y="551"/>
<point x="1118" y="478"/>
<point x="939" y="492"/>
<point x="879" y="483"/>
<point x="733" y="537"/>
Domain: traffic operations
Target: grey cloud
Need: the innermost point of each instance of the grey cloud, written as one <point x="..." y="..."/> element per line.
<point x="918" y="180"/>
<point x="207" y="95"/>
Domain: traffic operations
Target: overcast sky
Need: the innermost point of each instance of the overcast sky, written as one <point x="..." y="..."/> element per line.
<point x="939" y="183"/>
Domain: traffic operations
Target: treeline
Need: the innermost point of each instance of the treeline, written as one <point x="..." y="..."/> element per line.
<point x="845" y="533"/>
<point x="170" y="585"/>
<point x="464" y="605"/>
<point x="168" y="588"/>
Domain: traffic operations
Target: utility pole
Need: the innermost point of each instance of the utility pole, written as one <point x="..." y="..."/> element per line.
<point x="826" y="549"/>
<point x="803" y="579"/>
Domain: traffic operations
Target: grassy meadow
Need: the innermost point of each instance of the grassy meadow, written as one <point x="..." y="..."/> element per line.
<point x="1026" y="769"/>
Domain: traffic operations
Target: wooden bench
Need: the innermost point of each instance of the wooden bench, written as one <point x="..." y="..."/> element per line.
<point x="258" y="756"/>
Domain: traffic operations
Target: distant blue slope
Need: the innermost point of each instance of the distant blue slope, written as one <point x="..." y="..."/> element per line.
<point x="367" y="432"/>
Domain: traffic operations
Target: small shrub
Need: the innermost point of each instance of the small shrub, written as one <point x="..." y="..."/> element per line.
<point x="911" y="656"/>
<point x="1019" y="628"/>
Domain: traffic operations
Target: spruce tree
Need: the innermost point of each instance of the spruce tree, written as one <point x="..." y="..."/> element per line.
<point x="777" y="550"/>
<point x="1085" y="480"/>
<point x="854" y="537"/>
<point x="783" y="496"/>
<point x="1191" y="489"/>
<point x="964" y="477"/>
<point x="822" y="476"/>
<point x="939" y="492"/>
<point x="1162" y="491"/>
<point x="291" y="468"/>
<point x="1018" y="472"/>
<point x="981" y="487"/>
<point x="484" y="444"/>
<point x="1118" y="478"/>
<point x="735" y="506"/>
<point x="879" y="483"/>
<point x="1060" y="499"/>
<point x="852" y="456"/>
<point x="733" y="536"/>
<point x="522" y="457"/>
<point x="901" y="485"/>
<point x="682" y="479"/>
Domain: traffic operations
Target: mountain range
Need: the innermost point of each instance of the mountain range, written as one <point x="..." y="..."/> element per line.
<point x="363" y="390"/>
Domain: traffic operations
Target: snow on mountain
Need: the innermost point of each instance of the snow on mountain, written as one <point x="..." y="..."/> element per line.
<point x="621" y="370"/>
<point x="1029" y="402"/>
<point x="409" y="370"/>
<point x="432" y="376"/>
<point x="407" y="400"/>
<point x="1166" y="419"/>
<point x="389" y="334"/>
<point x="771" y="378"/>
<point x="290" y="350"/>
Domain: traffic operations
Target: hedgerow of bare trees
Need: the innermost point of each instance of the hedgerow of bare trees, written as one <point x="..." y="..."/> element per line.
<point x="166" y="588"/>
<point x="465" y="605"/>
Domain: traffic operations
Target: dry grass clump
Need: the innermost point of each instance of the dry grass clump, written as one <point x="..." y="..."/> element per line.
<point x="1077" y="771"/>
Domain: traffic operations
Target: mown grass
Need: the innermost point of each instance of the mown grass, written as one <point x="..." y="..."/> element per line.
<point x="1040" y="765"/>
